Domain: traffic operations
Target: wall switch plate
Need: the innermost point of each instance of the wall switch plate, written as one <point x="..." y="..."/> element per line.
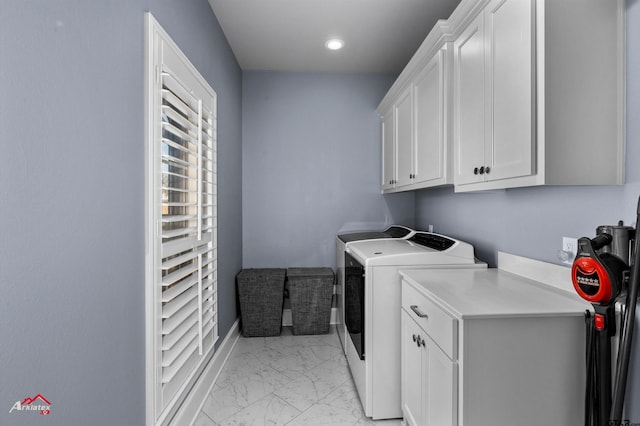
<point x="430" y="228"/>
<point x="569" y="250"/>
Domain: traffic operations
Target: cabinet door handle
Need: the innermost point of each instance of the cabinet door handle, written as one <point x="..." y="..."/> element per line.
<point x="482" y="170"/>
<point x="475" y="171"/>
<point x="414" y="337"/>
<point x="487" y="169"/>
<point x="418" y="312"/>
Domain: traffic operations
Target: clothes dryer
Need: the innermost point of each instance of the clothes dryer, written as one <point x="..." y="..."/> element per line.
<point x="342" y="241"/>
<point x="372" y="309"/>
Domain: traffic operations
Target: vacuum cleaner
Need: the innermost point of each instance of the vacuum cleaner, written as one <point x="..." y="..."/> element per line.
<point x="605" y="270"/>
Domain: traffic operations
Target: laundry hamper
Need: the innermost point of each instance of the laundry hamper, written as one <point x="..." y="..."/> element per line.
<point x="261" y="294"/>
<point x="310" y="294"/>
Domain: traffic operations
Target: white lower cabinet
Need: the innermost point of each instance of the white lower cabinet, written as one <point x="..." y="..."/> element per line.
<point x="413" y="370"/>
<point x="487" y="348"/>
<point x="428" y="378"/>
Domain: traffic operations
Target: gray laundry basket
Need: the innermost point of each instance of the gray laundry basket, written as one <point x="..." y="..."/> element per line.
<point x="261" y="294"/>
<point x="310" y="294"/>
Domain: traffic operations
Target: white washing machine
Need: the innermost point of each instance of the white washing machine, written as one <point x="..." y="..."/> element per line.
<point x="342" y="241"/>
<point x="372" y="303"/>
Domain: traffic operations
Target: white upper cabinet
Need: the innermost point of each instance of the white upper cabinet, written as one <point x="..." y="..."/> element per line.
<point x="469" y="103"/>
<point x="388" y="152"/>
<point x="431" y="100"/>
<point x="511" y="93"/>
<point x="526" y="112"/>
<point x="421" y="101"/>
<point x="405" y="137"/>
<point x="493" y="63"/>
<point x="509" y="49"/>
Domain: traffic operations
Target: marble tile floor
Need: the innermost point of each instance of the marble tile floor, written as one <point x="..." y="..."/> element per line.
<point x="286" y="380"/>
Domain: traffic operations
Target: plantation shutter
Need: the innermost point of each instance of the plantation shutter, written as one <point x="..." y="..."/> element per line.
<point x="183" y="184"/>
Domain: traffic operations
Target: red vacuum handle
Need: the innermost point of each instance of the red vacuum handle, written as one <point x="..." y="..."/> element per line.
<point x="591" y="280"/>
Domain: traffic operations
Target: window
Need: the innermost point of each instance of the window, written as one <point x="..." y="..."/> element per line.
<point x="181" y="261"/>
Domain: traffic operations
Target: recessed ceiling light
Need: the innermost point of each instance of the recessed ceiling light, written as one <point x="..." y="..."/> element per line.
<point x="334" y="44"/>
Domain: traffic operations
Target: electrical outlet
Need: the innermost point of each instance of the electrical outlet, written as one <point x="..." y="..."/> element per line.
<point x="569" y="250"/>
<point x="570" y="245"/>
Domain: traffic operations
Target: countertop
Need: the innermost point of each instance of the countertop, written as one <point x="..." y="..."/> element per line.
<point x="472" y="293"/>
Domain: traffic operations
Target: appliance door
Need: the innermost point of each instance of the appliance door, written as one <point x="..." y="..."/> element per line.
<point x="354" y="279"/>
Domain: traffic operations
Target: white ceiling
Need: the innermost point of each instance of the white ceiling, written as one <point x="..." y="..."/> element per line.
<point x="288" y="35"/>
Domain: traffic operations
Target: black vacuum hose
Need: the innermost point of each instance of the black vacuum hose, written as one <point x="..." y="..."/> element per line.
<point x="629" y="322"/>
<point x="592" y="396"/>
<point x="590" y="400"/>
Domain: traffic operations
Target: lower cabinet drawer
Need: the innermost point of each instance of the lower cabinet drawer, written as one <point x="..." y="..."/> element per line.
<point x="438" y="324"/>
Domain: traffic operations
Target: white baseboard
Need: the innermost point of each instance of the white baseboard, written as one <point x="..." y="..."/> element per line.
<point x="188" y="412"/>
<point x="288" y="322"/>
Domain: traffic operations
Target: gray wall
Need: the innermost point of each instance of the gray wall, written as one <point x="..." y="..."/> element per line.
<point x="311" y="158"/>
<point x="71" y="199"/>
<point x="72" y="184"/>
<point x="532" y="221"/>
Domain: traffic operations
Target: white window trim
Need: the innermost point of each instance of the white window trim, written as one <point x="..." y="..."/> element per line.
<point x="158" y="410"/>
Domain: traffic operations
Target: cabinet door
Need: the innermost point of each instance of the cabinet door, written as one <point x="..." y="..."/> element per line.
<point x="404" y="137"/>
<point x="510" y="61"/>
<point x="388" y="152"/>
<point x="469" y="103"/>
<point x="429" y="379"/>
<point x="441" y="387"/>
<point x="412" y="372"/>
<point x="429" y="146"/>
